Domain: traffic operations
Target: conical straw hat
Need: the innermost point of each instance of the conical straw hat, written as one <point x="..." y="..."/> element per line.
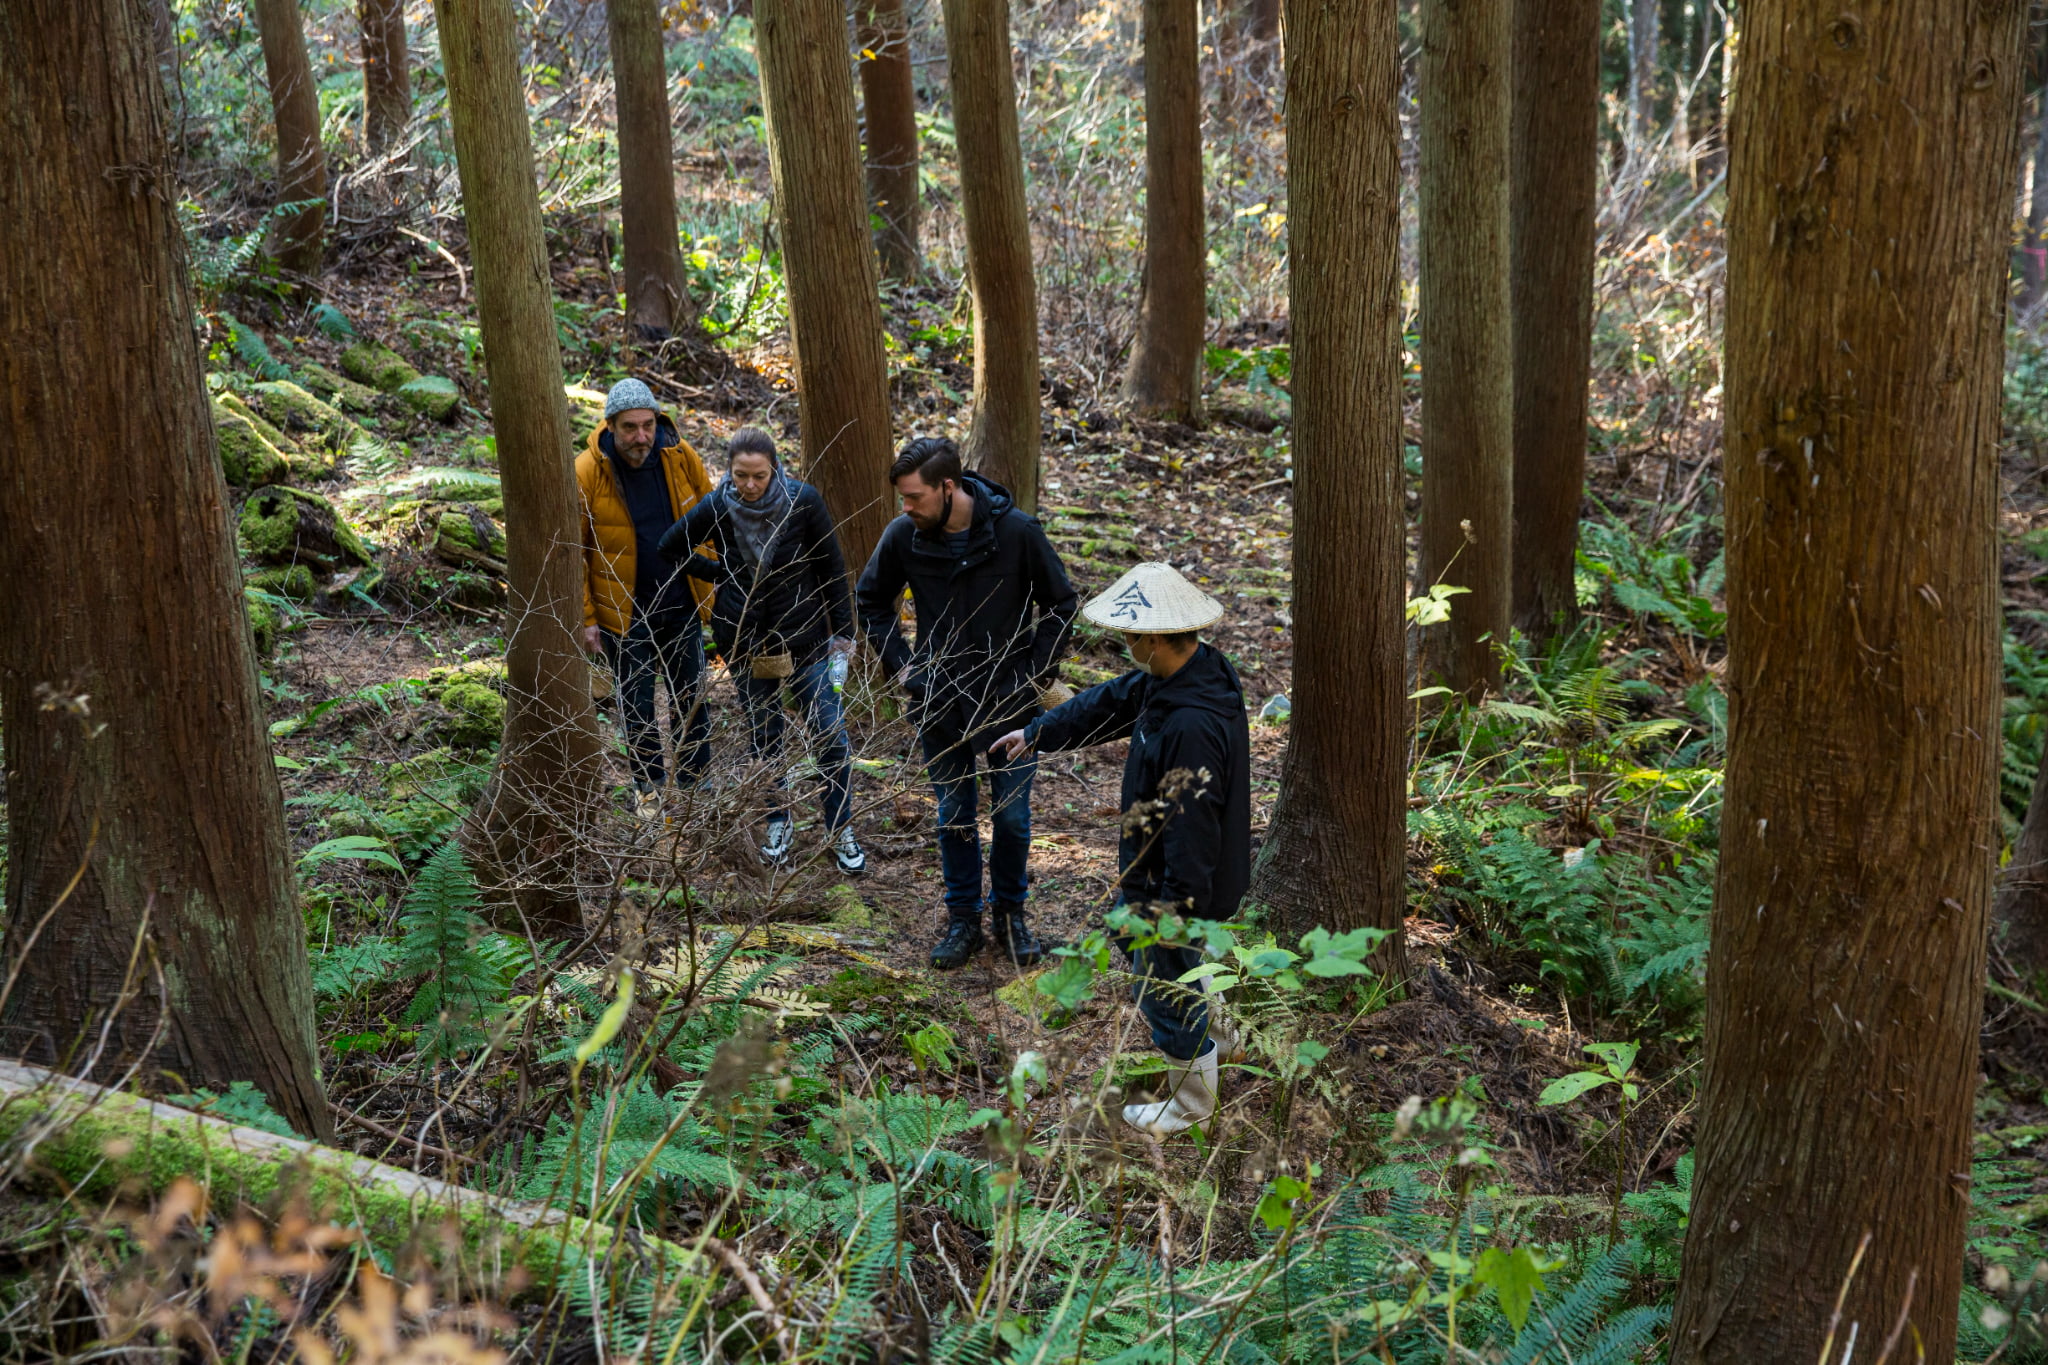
<point x="1153" y="599"/>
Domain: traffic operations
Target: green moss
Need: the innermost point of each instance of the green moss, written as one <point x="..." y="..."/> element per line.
<point x="489" y="672"/>
<point x="294" y="581"/>
<point x="377" y="365"/>
<point x="246" y="459"/>
<point x="857" y="990"/>
<point x="234" y="402"/>
<point x="434" y="766"/>
<point x="283" y="525"/>
<point x="263" y="622"/>
<point x="476" y="716"/>
<point x="342" y="392"/>
<point x="461" y="528"/>
<point x="93" y="1145"/>
<point x="290" y="407"/>
<point x="481" y="451"/>
<point x="432" y="396"/>
<point x="586" y="406"/>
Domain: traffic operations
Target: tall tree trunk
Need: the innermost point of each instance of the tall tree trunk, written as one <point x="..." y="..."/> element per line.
<point x="301" y="160"/>
<point x="149" y="882"/>
<point x="163" y="36"/>
<point x="889" y="109"/>
<point x="525" y="833"/>
<point x="1262" y="30"/>
<point x="387" y="89"/>
<point x="835" y="320"/>
<point x="1003" y="441"/>
<point x="1871" y="193"/>
<point x="1644" y="23"/>
<point x="647" y="179"/>
<point x="1554" y="190"/>
<point x="2036" y="267"/>
<point x="1165" y="378"/>
<point x="2020" y="911"/>
<point x="1335" y="852"/>
<point x="1467" y="352"/>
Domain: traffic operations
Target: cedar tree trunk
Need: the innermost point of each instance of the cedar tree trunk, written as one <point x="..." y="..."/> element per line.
<point x="301" y="160"/>
<point x="525" y="832"/>
<point x="1335" y="853"/>
<point x="1871" y="197"/>
<point x="1553" y="189"/>
<point x="1645" y="21"/>
<point x="835" y="319"/>
<point x="1003" y="441"/>
<point x="1165" y="378"/>
<point x="1467" y="355"/>
<point x="2021" y="909"/>
<point x="647" y="181"/>
<point x="889" y="109"/>
<point x="149" y="883"/>
<point x="387" y="90"/>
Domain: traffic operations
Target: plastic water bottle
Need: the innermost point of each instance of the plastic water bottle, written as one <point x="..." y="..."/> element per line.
<point x="837" y="671"/>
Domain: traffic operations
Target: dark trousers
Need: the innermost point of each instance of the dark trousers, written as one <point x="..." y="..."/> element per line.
<point x="668" y="646"/>
<point x="1178" y="1013"/>
<point x="951" y="766"/>
<point x="823" y="716"/>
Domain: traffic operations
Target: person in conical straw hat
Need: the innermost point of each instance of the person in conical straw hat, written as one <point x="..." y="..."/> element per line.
<point x="1189" y="775"/>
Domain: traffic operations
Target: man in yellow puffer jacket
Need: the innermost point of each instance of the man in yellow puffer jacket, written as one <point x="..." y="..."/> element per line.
<point x="638" y="476"/>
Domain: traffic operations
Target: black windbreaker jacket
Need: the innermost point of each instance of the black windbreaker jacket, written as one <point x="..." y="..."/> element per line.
<point x="797" y="601"/>
<point x="1201" y="863"/>
<point x="989" y="624"/>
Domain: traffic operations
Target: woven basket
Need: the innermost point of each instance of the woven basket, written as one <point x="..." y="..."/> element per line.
<point x="772" y="665"/>
<point x="1055" y="693"/>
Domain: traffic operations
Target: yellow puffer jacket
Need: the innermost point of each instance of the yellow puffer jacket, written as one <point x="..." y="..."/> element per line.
<point x="610" y="551"/>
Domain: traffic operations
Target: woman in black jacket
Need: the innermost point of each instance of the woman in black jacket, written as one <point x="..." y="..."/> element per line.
<point x="780" y="615"/>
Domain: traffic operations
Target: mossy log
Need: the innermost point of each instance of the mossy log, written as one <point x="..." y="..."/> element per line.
<point x="431" y="395"/>
<point x="247" y="459"/>
<point x="283" y="525"/>
<point x="91" y="1143"/>
<point x="342" y="392"/>
<point x="301" y="415"/>
<point x="375" y="364"/>
<point x="1074" y="548"/>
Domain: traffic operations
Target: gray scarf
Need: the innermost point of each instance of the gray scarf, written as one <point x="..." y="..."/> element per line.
<point x="755" y="523"/>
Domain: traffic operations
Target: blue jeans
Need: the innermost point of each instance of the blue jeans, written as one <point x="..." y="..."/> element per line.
<point x="951" y="766"/>
<point x="669" y="646"/>
<point x="1180" y="1021"/>
<point x="823" y="716"/>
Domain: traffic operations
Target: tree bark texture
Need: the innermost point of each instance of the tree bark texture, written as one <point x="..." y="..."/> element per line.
<point x="1645" y="22"/>
<point x="889" y="111"/>
<point x="647" y="180"/>
<point x="1003" y="440"/>
<point x="301" y="160"/>
<point x="149" y="883"/>
<point x="524" y="835"/>
<point x="1553" y="191"/>
<point x="1336" y="851"/>
<point x="1467" y="351"/>
<point x="1165" y="377"/>
<point x="2034" y="266"/>
<point x="387" y="86"/>
<point x="835" y="319"/>
<point x="1871" y="197"/>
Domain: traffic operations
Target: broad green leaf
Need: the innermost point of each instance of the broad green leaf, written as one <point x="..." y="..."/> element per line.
<point x="359" y="847"/>
<point x="1565" y="1089"/>
<point x="1516" y="1278"/>
<point x="609" y="1024"/>
<point x="1618" y="1056"/>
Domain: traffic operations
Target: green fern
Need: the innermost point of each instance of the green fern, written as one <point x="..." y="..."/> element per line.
<point x="345" y="968"/>
<point x="252" y="351"/>
<point x="464" y="971"/>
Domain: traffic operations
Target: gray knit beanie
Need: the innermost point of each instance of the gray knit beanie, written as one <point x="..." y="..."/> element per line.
<point x="626" y="395"/>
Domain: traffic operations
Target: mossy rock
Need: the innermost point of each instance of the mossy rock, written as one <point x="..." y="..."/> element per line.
<point x="375" y="364"/>
<point x="485" y="672"/>
<point x="263" y="622"/>
<point x="342" y="392"/>
<point x="294" y="581"/>
<point x="586" y="406"/>
<point x="476" y="716"/>
<point x="430" y="769"/>
<point x="284" y="525"/>
<point x="474" y="532"/>
<point x="432" y="396"/>
<point x="246" y="459"/>
<point x="480" y="451"/>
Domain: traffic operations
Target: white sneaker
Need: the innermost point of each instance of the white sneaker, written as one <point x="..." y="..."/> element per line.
<point x="846" y="851"/>
<point x="781" y="835"/>
<point x="1193" y="1097"/>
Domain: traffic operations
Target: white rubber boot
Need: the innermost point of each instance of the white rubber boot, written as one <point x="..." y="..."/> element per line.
<point x="1192" y="1099"/>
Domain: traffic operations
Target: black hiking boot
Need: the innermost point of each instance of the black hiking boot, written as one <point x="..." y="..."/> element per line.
<point x="1013" y="935"/>
<point x="958" y="945"/>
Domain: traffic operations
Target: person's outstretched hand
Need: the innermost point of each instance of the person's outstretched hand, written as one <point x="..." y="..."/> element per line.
<point x="1012" y="746"/>
<point x="593" y="640"/>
